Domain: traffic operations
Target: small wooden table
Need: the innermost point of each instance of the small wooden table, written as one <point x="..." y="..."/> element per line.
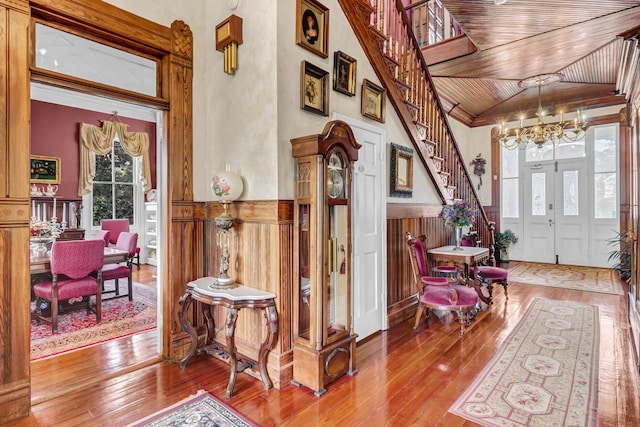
<point x="465" y="257"/>
<point x="233" y="299"/>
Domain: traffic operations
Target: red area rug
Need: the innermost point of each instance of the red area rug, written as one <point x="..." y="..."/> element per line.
<point x="590" y="279"/>
<point x="77" y="329"/>
<point x="545" y="373"/>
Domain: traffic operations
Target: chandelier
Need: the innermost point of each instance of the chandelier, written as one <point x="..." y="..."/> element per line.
<point x="542" y="132"/>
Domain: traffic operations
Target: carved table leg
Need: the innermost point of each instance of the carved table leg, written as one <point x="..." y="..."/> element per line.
<point x="230" y="327"/>
<point x="272" y="331"/>
<point x="184" y="302"/>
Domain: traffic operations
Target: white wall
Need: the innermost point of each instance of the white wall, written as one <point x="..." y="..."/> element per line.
<point x="248" y="119"/>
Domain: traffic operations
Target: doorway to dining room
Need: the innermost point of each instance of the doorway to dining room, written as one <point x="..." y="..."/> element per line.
<point x="56" y="117"/>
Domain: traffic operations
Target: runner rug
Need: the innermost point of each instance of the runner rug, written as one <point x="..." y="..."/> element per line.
<point x="77" y="329"/>
<point x="591" y="279"/>
<point x="545" y="373"/>
<point x="201" y="409"/>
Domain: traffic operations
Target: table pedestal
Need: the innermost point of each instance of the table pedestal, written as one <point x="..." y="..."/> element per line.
<point x="233" y="299"/>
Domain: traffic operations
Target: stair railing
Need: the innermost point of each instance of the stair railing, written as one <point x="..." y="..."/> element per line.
<point x="384" y="31"/>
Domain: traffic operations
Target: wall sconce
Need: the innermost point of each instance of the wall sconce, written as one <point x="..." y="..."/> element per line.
<point x="227" y="187"/>
<point x="228" y="37"/>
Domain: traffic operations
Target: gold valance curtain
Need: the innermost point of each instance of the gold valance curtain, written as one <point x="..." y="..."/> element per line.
<point x="94" y="139"/>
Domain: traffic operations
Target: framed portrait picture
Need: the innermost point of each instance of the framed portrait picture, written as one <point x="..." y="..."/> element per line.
<point x="373" y="101"/>
<point x="45" y="170"/>
<point x="314" y="89"/>
<point x="344" y="73"/>
<point x="401" y="183"/>
<point x="312" y="26"/>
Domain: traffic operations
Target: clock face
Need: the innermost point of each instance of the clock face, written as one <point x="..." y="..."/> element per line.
<point x="335" y="177"/>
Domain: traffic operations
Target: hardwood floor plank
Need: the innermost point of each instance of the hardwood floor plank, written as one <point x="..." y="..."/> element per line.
<point x="405" y="377"/>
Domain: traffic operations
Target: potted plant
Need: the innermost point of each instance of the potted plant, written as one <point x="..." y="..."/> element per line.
<point x="622" y="254"/>
<point x="502" y="241"/>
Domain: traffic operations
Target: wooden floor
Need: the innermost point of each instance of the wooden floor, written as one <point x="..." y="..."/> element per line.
<point x="405" y="377"/>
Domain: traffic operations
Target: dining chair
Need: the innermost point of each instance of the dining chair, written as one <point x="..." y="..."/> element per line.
<point x="438" y="293"/>
<point x="115" y="227"/>
<point x="72" y="263"/>
<point x="488" y="274"/>
<point x="126" y="242"/>
<point x="103" y="235"/>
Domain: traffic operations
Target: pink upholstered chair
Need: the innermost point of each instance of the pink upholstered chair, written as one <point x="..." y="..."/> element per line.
<point x="438" y="293"/>
<point x="115" y="227"/>
<point x="72" y="263"/>
<point x="126" y="242"/>
<point x="486" y="273"/>
<point x="103" y="235"/>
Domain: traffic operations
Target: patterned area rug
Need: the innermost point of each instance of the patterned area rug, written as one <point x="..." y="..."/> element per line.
<point x="545" y="373"/>
<point x="76" y="329"/>
<point x="591" y="279"/>
<point x="199" y="410"/>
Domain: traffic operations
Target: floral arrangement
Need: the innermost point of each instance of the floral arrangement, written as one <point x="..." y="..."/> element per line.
<point x="39" y="228"/>
<point x="459" y="214"/>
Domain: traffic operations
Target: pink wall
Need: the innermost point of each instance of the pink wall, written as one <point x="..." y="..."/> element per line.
<point x="55" y="131"/>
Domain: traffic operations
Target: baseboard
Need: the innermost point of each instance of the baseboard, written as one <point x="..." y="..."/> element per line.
<point x="634" y="321"/>
<point x="402" y="310"/>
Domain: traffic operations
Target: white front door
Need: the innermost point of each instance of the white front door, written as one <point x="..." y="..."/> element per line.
<point x="570" y="200"/>
<point x="571" y="214"/>
<point x="368" y="228"/>
<point x="539" y="232"/>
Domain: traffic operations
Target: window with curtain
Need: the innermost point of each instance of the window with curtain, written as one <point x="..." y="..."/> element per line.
<point x="113" y="188"/>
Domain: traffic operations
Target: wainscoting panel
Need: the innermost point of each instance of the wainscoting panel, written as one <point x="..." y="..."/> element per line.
<point x="418" y="220"/>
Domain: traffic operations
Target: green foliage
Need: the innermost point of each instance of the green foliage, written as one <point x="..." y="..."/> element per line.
<point x="622" y="254"/>
<point x="504" y="239"/>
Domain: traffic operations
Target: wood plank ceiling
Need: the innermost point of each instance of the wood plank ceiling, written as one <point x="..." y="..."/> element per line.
<point x="523" y="38"/>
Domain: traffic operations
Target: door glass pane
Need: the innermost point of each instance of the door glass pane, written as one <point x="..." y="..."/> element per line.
<point x="604" y="146"/>
<point x="606" y="200"/>
<point x="509" y="160"/>
<point x="570" y="189"/>
<point x="535" y="153"/>
<point x="570" y="150"/>
<point x="538" y="194"/>
<point x="510" y="198"/>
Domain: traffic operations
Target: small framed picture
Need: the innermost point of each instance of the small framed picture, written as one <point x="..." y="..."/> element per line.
<point x="45" y="170"/>
<point x="314" y="89"/>
<point x="401" y="184"/>
<point x="344" y="73"/>
<point x="373" y="101"/>
<point x="312" y="27"/>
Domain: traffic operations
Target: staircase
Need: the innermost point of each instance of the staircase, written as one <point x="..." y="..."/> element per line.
<point x="385" y="34"/>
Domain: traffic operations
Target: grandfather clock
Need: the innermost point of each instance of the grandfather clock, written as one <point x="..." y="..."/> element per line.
<point x="324" y="342"/>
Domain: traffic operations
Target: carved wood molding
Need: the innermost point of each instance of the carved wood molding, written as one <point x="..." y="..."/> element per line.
<point x="182" y="39"/>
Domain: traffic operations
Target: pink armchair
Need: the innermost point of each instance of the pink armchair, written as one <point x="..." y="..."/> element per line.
<point x="72" y="263"/>
<point x="115" y="227"/>
<point x="103" y="235"/>
<point x="437" y="293"/>
<point x="126" y="242"/>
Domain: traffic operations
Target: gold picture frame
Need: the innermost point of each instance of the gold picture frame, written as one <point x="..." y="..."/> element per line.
<point x="373" y="101"/>
<point x="312" y="27"/>
<point x="344" y="73"/>
<point x="44" y="170"/>
<point x="314" y="89"/>
<point x="401" y="183"/>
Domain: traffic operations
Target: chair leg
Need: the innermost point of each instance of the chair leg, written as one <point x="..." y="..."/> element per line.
<point x="138" y="260"/>
<point x="418" y="315"/>
<point x="463" y="319"/>
<point x="504" y="285"/>
<point x="54" y="315"/>
<point x="117" y="286"/>
<point x="99" y="304"/>
<point x="130" y="284"/>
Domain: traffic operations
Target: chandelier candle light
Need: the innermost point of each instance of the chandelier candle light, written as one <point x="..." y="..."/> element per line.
<point x="459" y="214"/>
<point x="542" y="132"/>
<point x="227" y="187"/>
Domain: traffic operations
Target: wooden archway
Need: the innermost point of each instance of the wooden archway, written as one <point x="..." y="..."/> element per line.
<point x="172" y="48"/>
